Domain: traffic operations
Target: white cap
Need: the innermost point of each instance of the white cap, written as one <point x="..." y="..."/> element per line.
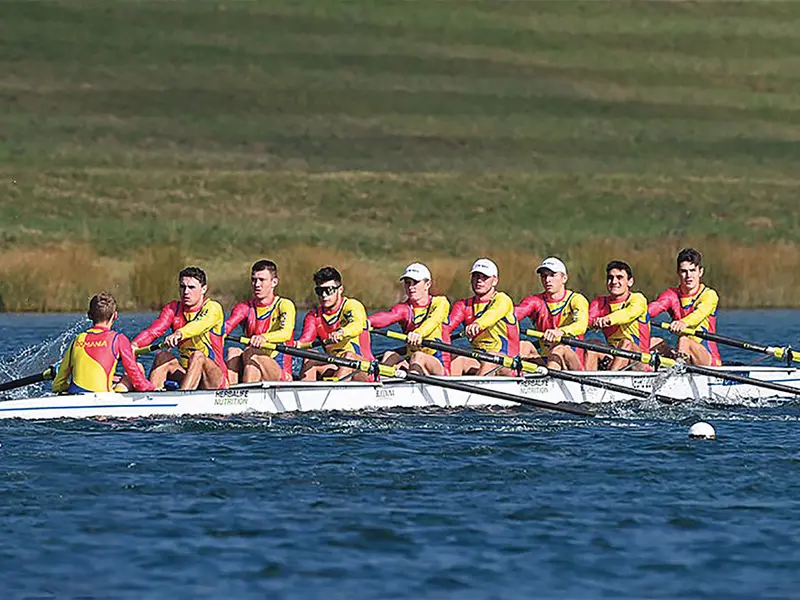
<point x="702" y="431"/>
<point x="553" y="264"/>
<point x="485" y="266"/>
<point x="417" y="272"/>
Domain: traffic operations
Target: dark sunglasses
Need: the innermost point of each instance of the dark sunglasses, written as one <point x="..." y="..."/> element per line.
<point x="325" y="290"/>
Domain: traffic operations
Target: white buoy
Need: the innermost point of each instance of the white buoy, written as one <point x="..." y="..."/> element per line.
<point x="702" y="431"/>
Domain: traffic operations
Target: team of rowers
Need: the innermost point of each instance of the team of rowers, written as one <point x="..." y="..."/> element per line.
<point x="196" y="328"/>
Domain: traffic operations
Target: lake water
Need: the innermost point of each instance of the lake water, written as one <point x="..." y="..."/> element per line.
<point x="409" y="504"/>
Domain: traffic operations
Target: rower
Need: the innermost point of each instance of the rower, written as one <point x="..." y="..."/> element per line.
<point x="488" y="319"/>
<point x="90" y="360"/>
<point x="622" y="316"/>
<point x="198" y="331"/>
<point x="691" y="305"/>
<point x="556" y="312"/>
<point x="265" y="318"/>
<point x="421" y="317"/>
<point x="340" y="323"/>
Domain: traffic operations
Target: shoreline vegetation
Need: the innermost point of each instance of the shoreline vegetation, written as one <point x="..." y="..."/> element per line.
<point x="139" y="136"/>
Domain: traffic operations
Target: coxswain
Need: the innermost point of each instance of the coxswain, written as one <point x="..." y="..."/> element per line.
<point x="265" y="318"/>
<point x="691" y="305"/>
<point x="198" y="332"/>
<point x="340" y="323"/>
<point x="622" y="317"/>
<point x="489" y="322"/>
<point x="555" y="312"/>
<point x="421" y="317"/>
<point x="91" y="358"/>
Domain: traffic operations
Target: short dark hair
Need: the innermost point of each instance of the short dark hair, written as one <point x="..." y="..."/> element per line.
<point x="195" y="272"/>
<point x="264" y="264"/>
<point x="327" y="274"/>
<point x="689" y="255"/>
<point x="102" y="307"/>
<point x="620" y="266"/>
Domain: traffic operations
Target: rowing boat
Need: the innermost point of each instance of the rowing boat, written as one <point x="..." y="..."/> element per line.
<point x="280" y="397"/>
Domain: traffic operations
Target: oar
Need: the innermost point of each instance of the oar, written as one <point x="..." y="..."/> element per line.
<point x="366" y="366"/>
<point x="530" y="366"/>
<point x="649" y="358"/>
<point x="150" y="348"/>
<point x="779" y="352"/>
<point x="46" y="375"/>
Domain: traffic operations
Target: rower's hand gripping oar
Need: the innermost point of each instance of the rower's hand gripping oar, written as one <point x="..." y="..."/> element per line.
<point x="376" y="368"/>
<point x="655" y="359"/>
<point x="46" y="375"/>
<point x="529" y="366"/>
<point x="779" y="352"/>
<point x="150" y="348"/>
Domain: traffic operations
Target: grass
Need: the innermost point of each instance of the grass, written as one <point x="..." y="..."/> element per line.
<point x="136" y="135"/>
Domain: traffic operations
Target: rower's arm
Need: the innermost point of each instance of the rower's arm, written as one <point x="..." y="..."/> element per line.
<point x="61" y="380"/>
<point x="396" y="314"/>
<point x="210" y="316"/>
<point x="704" y="307"/>
<point x="457" y="314"/>
<point x="286" y="318"/>
<point x="128" y="359"/>
<point x="158" y="327"/>
<point x="579" y="306"/>
<point x="238" y="314"/>
<point x="664" y="303"/>
<point x="500" y="306"/>
<point x="529" y="307"/>
<point x="636" y="308"/>
<point x="440" y="308"/>
<point x="356" y="316"/>
<point x="309" y="329"/>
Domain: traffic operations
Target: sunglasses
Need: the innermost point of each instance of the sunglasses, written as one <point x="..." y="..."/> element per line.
<point x="325" y="290"/>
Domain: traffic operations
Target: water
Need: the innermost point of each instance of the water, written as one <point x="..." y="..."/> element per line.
<point x="467" y="504"/>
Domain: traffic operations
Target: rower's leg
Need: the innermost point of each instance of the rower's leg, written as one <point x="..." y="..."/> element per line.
<point x="562" y="357"/>
<point x="314" y="370"/>
<point x="259" y="367"/>
<point x="487" y="368"/>
<point x="212" y="377"/>
<point x="194" y="371"/>
<point x="165" y="366"/>
<point x="592" y="360"/>
<point x="235" y="366"/>
<point x="618" y="363"/>
<point x="394" y="359"/>
<point x="462" y="365"/>
<point x="528" y="350"/>
<point x="698" y="354"/>
<point x="425" y="364"/>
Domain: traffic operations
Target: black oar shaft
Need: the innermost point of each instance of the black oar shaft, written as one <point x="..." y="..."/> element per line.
<point x="770" y="385"/>
<point x="48" y="373"/>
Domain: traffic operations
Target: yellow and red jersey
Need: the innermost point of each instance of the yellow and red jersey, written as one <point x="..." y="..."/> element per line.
<point x="629" y="319"/>
<point x="351" y="317"/>
<point x="499" y="327"/>
<point x="697" y="310"/>
<point x="203" y="330"/>
<point x="275" y="321"/>
<point x="570" y="314"/>
<point x="430" y="321"/>
<point x="91" y="359"/>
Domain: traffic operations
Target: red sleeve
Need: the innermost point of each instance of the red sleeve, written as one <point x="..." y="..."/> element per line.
<point x="457" y="315"/>
<point x="665" y="302"/>
<point x="309" y="328"/>
<point x="529" y="307"/>
<point x="397" y="314"/>
<point x="238" y="314"/>
<point x="138" y="380"/>
<point x="596" y="309"/>
<point x="158" y="327"/>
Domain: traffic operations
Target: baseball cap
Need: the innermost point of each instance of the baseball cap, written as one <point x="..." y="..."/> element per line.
<point x="417" y="272"/>
<point x="553" y="264"/>
<point x="485" y="266"/>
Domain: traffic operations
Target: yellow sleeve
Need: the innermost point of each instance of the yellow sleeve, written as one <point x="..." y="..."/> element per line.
<point x="286" y="317"/>
<point x="579" y="306"/>
<point x="500" y="306"/>
<point x="704" y="307"/>
<point x="356" y="316"/>
<point x="210" y="316"/>
<point x="440" y="310"/>
<point x="635" y="309"/>
<point x="61" y="380"/>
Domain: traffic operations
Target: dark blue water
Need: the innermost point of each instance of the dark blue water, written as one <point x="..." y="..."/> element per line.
<point x="467" y="504"/>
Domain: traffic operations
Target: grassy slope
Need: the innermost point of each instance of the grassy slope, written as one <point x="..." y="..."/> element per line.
<point x="395" y="129"/>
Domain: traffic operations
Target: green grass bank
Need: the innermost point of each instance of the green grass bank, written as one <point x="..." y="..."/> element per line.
<point x="137" y="136"/>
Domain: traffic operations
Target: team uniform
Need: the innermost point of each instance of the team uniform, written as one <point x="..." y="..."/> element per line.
<point x="499" y="327"/>
<point x="91" y="359"/>
<point x="351" y="318"/>
<point x="275" y="322"/>
<point x="429" y="321"/>
<point x="629" y="319"/>
<point x="698" y="311"/>
<point x="203" y="331"/>
<point x="570" y="315"/>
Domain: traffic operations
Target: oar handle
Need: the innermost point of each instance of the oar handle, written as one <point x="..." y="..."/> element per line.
<point x="643" y="357"/>
<point x="776" y="351"/>
<point x="150" y="348"/>
<point x="246" y="341"/>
